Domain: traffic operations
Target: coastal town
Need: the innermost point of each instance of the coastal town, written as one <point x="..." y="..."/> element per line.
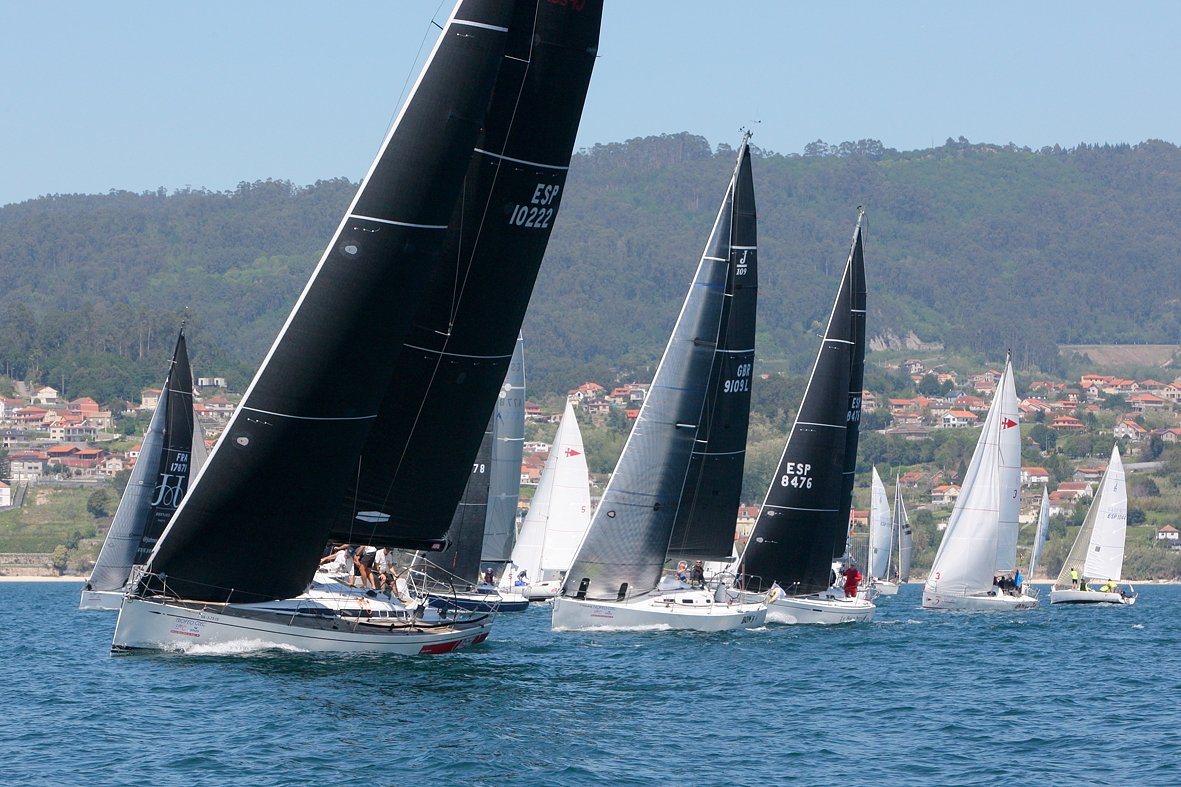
<point x="53" y="442"/>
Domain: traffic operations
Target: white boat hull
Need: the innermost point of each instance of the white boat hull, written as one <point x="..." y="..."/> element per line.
<point x="885" y="587"/>
<point x="101" y="600"/>
<point x="542" y="591"/>
<point x="159" y="625"/>
<point x="1072" y="596"/>
<point x="999" y="602"/>
<point x="693" y="611"/>
<point x="821" y="609"/>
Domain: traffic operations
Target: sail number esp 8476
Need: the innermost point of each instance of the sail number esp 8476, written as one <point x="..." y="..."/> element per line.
<point x="798" y="475"/>
<point x="537" y="214"/>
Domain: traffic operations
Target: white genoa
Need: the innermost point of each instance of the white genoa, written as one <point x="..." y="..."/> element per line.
<point x="692" y="610"/>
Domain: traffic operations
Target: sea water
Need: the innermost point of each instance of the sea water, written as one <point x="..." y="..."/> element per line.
<point x="1056" y="695"/>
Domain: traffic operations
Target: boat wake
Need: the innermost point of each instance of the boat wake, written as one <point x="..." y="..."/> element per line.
<point x="238" y="647"/>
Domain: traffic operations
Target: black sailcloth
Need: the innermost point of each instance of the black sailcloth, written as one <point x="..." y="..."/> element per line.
<point x="805" y="516"/>
<point x="255" y="520"/>
<point x="706" y="517"/>
<point x="458" y="565"/>
<point x="461" y="339"/>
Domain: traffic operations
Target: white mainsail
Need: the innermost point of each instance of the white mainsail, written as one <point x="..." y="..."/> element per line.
<point x="560" y="511"/>
<point x="1043" y="529"/>
<point x="879" y="529"/>
<point x="967" y="556"/>
<point x="1009" y="473"/>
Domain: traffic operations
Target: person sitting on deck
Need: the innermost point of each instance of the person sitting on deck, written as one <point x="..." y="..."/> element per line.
<point x="697" y="578"/>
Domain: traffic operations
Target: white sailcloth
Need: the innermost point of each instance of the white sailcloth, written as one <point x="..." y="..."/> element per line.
<point x="967" y="558"/>
<point x="879" y="529"/>
<point x="560" y="511"/>
<point x="1009" y="478"/>
<point x="1105" y="553"/>
<point x="1043" y="529"/>
<point x="903" y="534"/>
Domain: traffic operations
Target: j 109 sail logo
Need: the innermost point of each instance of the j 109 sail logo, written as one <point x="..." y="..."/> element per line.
<point x="741" y="268"/>
<point x="171" y="486"/>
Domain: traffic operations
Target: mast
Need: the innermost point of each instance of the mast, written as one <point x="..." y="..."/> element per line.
<point x="803" y="524"/>
<point x="708" y="509"/>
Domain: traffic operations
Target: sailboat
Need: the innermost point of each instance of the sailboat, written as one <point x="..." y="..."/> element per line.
<point x="1041" y="532"/>
<point x="981" y="536"/>
<point x="615" y="578"/>
<point x="902" y="536"/>
<point x="1097" y="554"/>
<point x="173" y="448"/>
<point x="881" y="538"/>
<point x="558" y="516"/>
<point x="802" y="525"/>
<point x="388" y="368"/>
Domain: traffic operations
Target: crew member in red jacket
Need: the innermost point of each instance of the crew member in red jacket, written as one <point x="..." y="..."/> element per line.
<point x="852" y="579"/>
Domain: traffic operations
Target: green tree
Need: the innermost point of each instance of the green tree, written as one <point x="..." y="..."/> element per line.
<point x="101" y="503"/>
<point x="60" y="558"/>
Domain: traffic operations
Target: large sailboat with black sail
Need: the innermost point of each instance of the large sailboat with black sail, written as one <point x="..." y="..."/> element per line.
<point x="173" y="448"/>
<point x="558" y="517"/>
<point x="980" y="539"/>
<point x="803" y="524"/>
<point x="615" y="579"/>
<point x="1097" y="555"/>
<point x="389" y="365"/>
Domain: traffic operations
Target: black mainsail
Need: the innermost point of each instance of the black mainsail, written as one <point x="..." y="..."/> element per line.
<point x="336" y="393"/>
<point x="171" y="445"/>
<point x="461" y="339"/>
<point x="624" y="550"/>
<point x="804" y="519"/>
<point x="708" y="510"/>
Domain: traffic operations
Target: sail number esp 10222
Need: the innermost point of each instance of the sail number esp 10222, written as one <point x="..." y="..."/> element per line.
<point x="538" y="213"/>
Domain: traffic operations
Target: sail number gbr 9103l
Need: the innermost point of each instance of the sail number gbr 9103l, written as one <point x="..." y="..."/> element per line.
<point x="536" y="215"/>
<point x="740" y="382"/>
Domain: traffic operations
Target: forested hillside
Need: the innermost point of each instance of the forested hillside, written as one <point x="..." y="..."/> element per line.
<point x="978" y="247"/>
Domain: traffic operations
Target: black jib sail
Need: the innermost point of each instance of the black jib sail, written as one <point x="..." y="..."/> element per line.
<point x="804" y="520"/>
<point x="708" y="510"/>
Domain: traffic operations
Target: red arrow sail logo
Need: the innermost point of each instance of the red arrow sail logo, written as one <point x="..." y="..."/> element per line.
<point x="572" y="452"/>
<point x="1005" y="424"/>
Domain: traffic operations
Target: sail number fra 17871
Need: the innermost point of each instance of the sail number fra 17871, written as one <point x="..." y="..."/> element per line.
<point x="536" y="215"/>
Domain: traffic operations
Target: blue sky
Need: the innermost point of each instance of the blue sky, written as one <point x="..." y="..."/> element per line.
<point x="139" y="94"/>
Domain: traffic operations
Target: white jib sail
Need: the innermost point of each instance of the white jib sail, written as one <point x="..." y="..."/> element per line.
<point x="1105" y="553"/>
<point x="879" y="528"/>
